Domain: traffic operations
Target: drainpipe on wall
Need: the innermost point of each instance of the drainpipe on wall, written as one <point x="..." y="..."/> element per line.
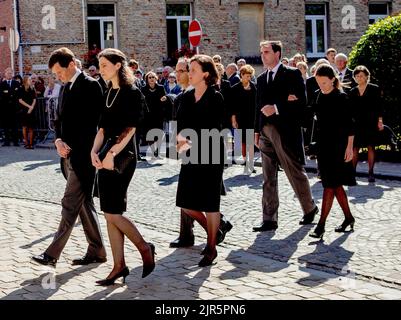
<point x="18" y="27"/>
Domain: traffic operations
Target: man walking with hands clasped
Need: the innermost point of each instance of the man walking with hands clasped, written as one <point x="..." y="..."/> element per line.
<point x="76" y="129"/>
<point x="280" y="106"/>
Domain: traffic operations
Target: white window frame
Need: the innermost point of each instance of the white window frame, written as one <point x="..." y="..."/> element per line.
<point x="178" y="22"/>
<point x="313" y="19"/>
<point x="377" y="17"/>
<point x="107" y="19"/>
<point x="102" y="20"/>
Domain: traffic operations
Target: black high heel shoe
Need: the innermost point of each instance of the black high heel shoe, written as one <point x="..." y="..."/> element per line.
<point x="345" y="224"/>
<point x="207" y="259"/>
<point x="110" y="281"/>
<point x="148" y="269"/>
<point x="318" y="232"/>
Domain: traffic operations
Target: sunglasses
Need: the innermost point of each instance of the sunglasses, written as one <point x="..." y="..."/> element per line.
<point x="151" y="77"/>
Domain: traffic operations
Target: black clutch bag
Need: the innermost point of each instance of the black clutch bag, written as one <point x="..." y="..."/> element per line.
<point x="121" y="161"/>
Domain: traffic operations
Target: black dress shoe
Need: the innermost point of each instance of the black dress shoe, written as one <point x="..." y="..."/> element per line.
<point x="347" y="222"/>
<point x="147" y="269"/>
<point x="318" y="232"/>
<point x="266" y="226"/>
<point x="110" y="281"/>
<point x="45" y="260"/>
<point x="182" y="243"/>
<point x="208" y="259"/>
<point x="225" y="226"/>
<point x="308" y="218"/>
<point x="85" y="260"/>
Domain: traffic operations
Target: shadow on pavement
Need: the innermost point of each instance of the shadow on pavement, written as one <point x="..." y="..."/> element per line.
<point x="44" y="286"/>
<point x="34" y="166"/>
<point x="169" y="281"/>
<point x="252" y="182"/>
<point x="327" y="257"/>
<point x="33" y="243"/>
<point x="168" y="181"/>
<point x="280" y="250"/>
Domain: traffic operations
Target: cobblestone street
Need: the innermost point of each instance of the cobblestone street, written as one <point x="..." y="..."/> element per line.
<point x="286" y="264"/>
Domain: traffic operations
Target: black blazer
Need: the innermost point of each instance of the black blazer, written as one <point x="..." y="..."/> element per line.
<point x="288" y="81"/>
<point x="348" y="80"/>
<point x="225" y="90"/>
<point x="234" y="79"/>
<point x="9" y="96"/>
<point x="243" y="108"/>
<point x="77" y="122"/>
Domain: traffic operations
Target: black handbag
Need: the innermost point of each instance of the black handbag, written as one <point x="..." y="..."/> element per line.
<point x="311" y="150"/>
<point x="121" y="161"/>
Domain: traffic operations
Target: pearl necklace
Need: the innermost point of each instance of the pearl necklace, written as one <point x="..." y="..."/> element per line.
<point x="107" y="99"/>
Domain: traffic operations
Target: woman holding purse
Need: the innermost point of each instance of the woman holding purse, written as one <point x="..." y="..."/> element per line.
<point x="120" y="117"/>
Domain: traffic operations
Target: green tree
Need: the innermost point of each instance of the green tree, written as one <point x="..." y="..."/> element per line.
<point x="379" y="49"/>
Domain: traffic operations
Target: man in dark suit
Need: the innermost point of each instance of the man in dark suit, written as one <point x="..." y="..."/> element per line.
<point x="345" y="74"/>
<point x="280" y="106"/>
<point x="8" y="107"/>
<point x="76" y="128"/>
<point x="232" y="74"/>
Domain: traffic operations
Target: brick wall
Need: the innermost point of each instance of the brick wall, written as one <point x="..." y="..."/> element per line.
<point x="142" y="34"/>
<point x="286" y="22"/>
<point x="220" y="27"/>
<point x="38" y="42"/>
<point x="6" y="20"/>
<point x="344" y="39"/>
<point x="142" y="31"/>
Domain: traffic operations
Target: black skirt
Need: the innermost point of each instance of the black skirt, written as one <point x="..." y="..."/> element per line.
<point x="199" y="187"/>
<point x="28" y="120"/>
<point x="112" y="189"/>
<point x="334" y="171"/>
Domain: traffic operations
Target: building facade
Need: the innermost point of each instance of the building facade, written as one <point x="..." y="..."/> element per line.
<point x="6" y="23"/>
<point x="153" y="31"/>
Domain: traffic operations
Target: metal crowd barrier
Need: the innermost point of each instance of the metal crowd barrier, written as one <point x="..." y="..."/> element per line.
<point x="45" y="113"/>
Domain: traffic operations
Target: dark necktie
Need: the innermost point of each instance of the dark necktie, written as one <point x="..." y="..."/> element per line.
<point x="270" y="82"/>
<point x="9" y="83"/>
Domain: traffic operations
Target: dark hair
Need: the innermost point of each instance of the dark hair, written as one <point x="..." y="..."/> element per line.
<point x="125" y="76"/>
<point x="328" y="71"/>
<point x="62" y="56"/>
<point x="18" y="78"/>
<point x="277" y="46"/>
<point x="150" y="73"/>
<point x="207" y="65"/>
<point x="362" y="69"/>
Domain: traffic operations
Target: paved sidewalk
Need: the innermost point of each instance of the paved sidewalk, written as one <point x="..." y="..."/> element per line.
<point x="286" y="264"/>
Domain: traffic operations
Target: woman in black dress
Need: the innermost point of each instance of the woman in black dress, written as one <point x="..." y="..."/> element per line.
<point x="244" y="105"/>
<point x="27" y="102"/>
<point x="155" y="96"/>
<point x="199" y="183"/>
<point x="335" y="138"/>
<point x="368" y="114"/>
<point x="121" y="114"/>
